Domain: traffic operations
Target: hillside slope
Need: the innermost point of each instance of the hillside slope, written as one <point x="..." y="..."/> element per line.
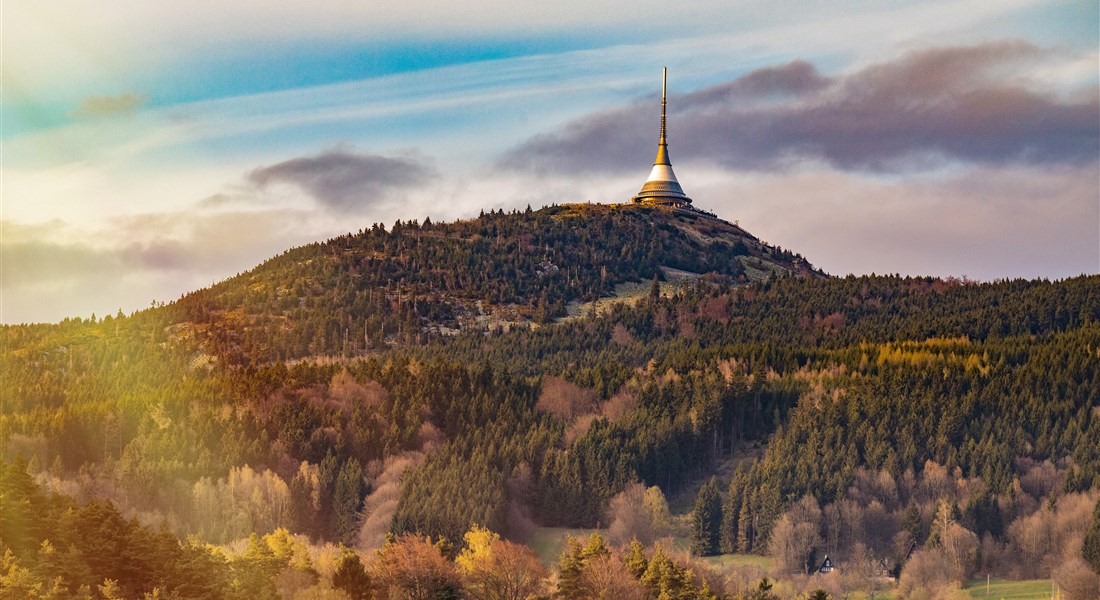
<point x="362" y="386"/>
<point x="414" y="282"/>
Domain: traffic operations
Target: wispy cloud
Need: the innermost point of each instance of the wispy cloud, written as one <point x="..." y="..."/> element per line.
<point x="344" y="179"/>
<point x="53" y="269"/>
<point x="971" y="103"/>
<point x="94" y="107"/>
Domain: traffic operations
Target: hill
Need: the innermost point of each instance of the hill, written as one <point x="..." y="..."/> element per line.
<point x="426" y="378"/>
<point x="414" y="282"/>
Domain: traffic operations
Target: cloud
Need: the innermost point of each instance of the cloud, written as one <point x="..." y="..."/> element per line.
<point x="974" y="104"/>
<point x="987" y="222"/>
<point x="94" y="107"/>
<point x="346" y="180"/>
<point x="130" y="260"/>
<point x="29" y="263"/>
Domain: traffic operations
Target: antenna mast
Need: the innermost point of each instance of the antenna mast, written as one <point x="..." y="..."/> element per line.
<point x="664" y="102"/>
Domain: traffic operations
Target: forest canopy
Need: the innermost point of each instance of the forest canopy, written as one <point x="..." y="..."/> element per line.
<point x="410" y="387"/>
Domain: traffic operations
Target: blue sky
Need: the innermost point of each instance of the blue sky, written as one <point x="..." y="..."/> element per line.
<point x="152" y="148"/>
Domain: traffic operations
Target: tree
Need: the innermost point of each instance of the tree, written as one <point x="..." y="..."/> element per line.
<point x="656" y="508"/>
<point x="941" y="523"/>
<point x="791" y="543"/>
<point x="627" y="516"/>
<point x="706" y="520"/>
<point x="351" y="577"/>
<point x="110" y="589"/>
<point x="347" y="498"/>
<point x="1077" y="581"/>
<point x="412" y="567"/>
<point x="667" y="579"/>
<point x="1090" y="550"/>
<point x="635" y="559"/>
<point x="763" y="591"/>
<point x="497" y="569"/>
<point x="731" y="512"/>
<point x="573" y="563"/>
<point x="606" y="577"/>
<point x="746" y="524"/>
<point x="929" y="572"/>
<point x="254" y="571"/>
<point x="914" y="525"/>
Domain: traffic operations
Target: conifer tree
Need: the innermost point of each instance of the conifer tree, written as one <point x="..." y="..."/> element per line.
<point x="706" y="520"/>
<point x="731" y="514"/>
<point x="746" y="531"/>
<point x="571" y="566"/>
<point x="347" y="497"/>
<point x="913" y="523"/>
<point x="635" y="559"/>
<point x="1090" y="551"/>
<point x="351" y="577"/>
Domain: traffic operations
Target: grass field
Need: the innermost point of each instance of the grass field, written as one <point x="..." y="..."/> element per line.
<point x="547" y="542"/>
<point x="1033" y="589"/>
<point x="723" y="561"/>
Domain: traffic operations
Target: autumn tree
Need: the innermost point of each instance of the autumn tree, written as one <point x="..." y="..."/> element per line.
<point x="412" y="567"/>
<point x="497" y="569"/>
<point x="639" y="513"/>
<point x="795" y="536"/>
<point x="1076" y="580"/>
<point x="606" y="576"/>
<point x="573" y="562"/>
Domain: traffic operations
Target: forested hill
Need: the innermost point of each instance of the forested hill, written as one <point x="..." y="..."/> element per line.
<point x="416" y="281"/>
<point x="368" y="385"/>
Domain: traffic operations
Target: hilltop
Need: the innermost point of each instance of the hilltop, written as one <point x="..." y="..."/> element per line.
<point x="414" y="281"/>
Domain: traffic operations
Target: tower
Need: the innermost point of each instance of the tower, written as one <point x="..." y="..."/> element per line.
<point x="662" y="188"/>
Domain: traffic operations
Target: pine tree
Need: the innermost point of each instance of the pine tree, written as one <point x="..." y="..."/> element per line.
<point x="731" y="514"/>
<point x="351" y="577"/>
<point x="1090" y="551"/>
<point x="706" y="520"/>
<point x="655" y="288"/>
<point x="347" y="497"/>
<point x="763" y="591"/>
<point x="635" y="559"/>
<point x="301" y="505"/>
<point x="326" y="480"/>
<point x="746" y="532"/>
<point x="913" y="522"/>
<point x="571" y="569"/>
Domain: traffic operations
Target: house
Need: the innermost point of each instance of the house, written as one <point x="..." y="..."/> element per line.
<point x="883" y="569"/>
<point x="826" y="567"/>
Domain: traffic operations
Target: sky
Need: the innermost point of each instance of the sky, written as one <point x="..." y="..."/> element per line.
<point x="148" y="149"/>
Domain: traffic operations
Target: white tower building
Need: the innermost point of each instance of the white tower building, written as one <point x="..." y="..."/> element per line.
<point x="662" y="188"/>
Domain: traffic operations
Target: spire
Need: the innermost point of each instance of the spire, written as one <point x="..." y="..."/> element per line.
<point x="662" y="144"/>
<point x="664" y="104"/>
<point x="662" y="187"/>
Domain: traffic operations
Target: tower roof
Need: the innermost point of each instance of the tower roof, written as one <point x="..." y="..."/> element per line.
<point x="662" y="187"/>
